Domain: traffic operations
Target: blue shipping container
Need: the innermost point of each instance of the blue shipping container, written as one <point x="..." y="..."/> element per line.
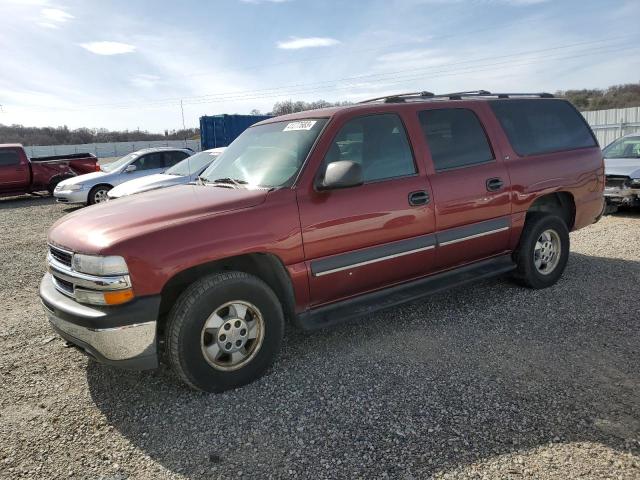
<point x="220" y="130"/>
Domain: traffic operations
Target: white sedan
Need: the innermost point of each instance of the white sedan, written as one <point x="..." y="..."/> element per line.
<point x="184" y="172"/>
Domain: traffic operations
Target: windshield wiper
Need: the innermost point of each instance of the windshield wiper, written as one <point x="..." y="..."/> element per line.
<point x="223" y="182"/>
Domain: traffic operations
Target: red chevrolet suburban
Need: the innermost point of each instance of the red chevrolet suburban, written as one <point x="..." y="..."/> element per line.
<point x="321" y="216"/>
<point x="20" y="174"/>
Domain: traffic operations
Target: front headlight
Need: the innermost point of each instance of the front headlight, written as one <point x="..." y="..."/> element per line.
<point x="74" y="187"/>
<point x="98" y="265"/>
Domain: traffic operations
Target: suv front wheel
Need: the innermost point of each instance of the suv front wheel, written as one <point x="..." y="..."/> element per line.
<point x="543" y="251"/>
<point x="224" y="331"/>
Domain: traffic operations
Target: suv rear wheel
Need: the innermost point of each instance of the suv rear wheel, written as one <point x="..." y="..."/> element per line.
<point x="224" y="331"/>
<point x="543" y="251"/>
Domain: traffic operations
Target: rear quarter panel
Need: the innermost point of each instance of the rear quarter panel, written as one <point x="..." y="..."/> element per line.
<point x="43" y="172"/>
<point x="578" y="172"/>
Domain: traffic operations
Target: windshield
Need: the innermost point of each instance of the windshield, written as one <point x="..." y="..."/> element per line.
<point x="268" y="155"/>
<point x="113" y="166"/>
<point x="628" y="147"/>
<point x="193" y="164"/>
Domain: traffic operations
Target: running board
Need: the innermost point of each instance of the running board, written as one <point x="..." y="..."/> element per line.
<point x="368" y="303"/>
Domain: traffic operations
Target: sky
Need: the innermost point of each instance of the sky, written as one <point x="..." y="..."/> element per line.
<point x="129" y="64"/>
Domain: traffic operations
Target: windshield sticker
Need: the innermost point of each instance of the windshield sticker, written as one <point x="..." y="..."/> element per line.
<point x="303" y="125"/>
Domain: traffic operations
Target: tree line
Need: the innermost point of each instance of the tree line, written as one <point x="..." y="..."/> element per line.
<point x="617" y="96"/>
<point x="65" y="136"/>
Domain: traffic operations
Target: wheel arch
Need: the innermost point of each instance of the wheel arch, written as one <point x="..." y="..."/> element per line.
<point x="267" y="267"/>
<point x="560" y="203"/>
<point x="56" y="179"/>
<point x="102" y="184"/>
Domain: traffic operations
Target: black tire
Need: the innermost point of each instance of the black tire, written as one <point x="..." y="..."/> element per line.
<point x="526" y="273"/>
<point x="186" y="323"/>
<point x="54" y="183"/>
<point x="91" y="199"/>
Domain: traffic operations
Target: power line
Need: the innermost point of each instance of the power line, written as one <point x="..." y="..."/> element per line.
<point x="393" y="77"/>
<point x="231" y="95"/>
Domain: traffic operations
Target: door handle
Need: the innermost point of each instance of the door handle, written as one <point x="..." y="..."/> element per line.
<point x="420" y="197"/>
<point x="494" y="184"/>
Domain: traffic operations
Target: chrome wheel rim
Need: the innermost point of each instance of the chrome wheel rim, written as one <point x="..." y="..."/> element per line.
<point x="100" y="196"/>
<point x="546" y="253"/>
<point x="232" y="335"/>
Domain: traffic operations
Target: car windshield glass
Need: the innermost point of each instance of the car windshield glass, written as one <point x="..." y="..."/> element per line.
<point x="628" y="147"/>
<point x="193" y="164"/>
<point x="113" y="166"/>
<point x="267" y="155"/>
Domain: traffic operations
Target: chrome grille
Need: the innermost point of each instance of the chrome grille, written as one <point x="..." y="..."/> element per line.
<point x="61" y="256"/>
<point x="63" y="286"/>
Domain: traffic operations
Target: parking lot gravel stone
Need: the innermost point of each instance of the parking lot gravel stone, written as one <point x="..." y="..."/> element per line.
<point x="485" y="381"/>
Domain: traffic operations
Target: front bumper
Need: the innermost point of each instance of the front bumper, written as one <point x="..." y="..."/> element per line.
<point x="71" y="196"/>
<point x="123" y="336"/>
<point x="622" y="195"/>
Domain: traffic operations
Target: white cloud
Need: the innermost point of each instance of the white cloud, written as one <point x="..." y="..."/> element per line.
<point x="295" y="43"/>
<point x="53" y="17"/>
<point x="56" y="15"/>
<point x="144" y="80"/>
<point x="108" y="48"/>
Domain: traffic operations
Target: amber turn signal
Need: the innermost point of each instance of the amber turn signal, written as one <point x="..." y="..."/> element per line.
<point x="118" y="297"/>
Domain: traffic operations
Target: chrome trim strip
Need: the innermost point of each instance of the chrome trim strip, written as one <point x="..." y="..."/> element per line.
<point x="61" y="289"/>
<point x="92" y="282"/>
<point x="462" y="239"/>
<point x="375" y="260"/>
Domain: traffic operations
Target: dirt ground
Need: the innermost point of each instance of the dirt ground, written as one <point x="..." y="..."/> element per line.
<point x="488" y="381"/>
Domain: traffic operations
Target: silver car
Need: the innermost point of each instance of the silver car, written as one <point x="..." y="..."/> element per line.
<point x="93" y="187"/>
<point x="622" y="169"/>
<point x="184" y="172"/>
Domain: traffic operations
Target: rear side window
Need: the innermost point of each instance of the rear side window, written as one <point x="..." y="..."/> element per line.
<point x="171" y="158"/>
<point x="8" y="158"/>
<point x="455" y="138"/>
<point x="378" y="143"/>
<point x="150" y="161"/>
<point x="542" y="126"/>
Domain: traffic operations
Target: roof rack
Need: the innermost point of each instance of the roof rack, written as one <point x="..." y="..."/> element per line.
<point x="403" y="97"/>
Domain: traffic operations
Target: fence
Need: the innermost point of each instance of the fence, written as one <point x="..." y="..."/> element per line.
<point x="102" y="150"/>
<point x="611" y="124"/>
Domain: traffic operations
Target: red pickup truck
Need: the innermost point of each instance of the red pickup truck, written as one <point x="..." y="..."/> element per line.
<point x="321" y="216"/>
<point x="20" y="174"/>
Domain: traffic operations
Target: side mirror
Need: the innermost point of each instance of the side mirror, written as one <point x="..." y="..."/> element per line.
<point x="130" y="168"/>
<point x="342" y="174"/>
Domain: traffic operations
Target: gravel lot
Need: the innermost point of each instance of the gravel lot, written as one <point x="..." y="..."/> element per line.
<point x="488" y="381"/>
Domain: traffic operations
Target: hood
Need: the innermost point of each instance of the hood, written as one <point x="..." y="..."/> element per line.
<point x="83" y="178"/>
<point x="96" y="228"/>
<point x="144" y="184"/>
<point x="626" y="167"/>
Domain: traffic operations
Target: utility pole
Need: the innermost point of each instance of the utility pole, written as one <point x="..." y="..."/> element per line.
<point x="184" y="128"/>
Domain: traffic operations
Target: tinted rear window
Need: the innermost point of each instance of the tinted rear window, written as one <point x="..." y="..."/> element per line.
<point x="542" y="126"/>
<point x="455" y="138"/>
